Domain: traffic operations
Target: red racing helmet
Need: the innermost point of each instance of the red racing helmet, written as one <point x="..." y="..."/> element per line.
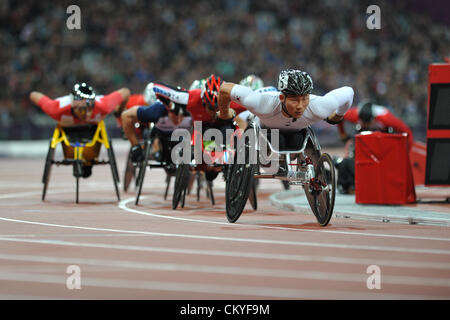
<point x="210" y="92"/>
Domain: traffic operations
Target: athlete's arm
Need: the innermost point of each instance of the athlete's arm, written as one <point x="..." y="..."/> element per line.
<point x="35" y="96"/>
<point x="129" y="118"/>
<point x="48" y="105"/>
<point x="256" y="102"/>
<point x="115" y="101"/>
<point x="224" y="101"/>
<point x="143" y="114"/>
<point x="334" y="104"/>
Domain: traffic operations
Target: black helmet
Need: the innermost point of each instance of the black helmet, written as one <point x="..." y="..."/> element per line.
<point x="365" y="113"/>
<point x="83" y="91"/>
<point x="294" y="82"/>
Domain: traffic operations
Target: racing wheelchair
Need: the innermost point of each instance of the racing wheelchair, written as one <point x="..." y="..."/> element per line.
<point x="307" y="167"/>
<point x="203" y="171"/>
<point x="216" y="158"/>
<point x="77" y="143"/>
<point x="164" y="161"/>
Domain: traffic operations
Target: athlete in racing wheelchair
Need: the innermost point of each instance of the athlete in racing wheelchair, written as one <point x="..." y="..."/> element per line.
<point x="164" y="117"/>
<point x="80" y="130"/>
<point x="298" y="159"/>
<point x="201" y="103"/>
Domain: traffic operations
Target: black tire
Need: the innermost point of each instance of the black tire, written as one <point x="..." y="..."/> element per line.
<point x="113" y="163"/>
<point x="77" y="170"/>
<point x="198" y="177"/>
<point x="142" y="170"/>
<point x="209" y="186"/>
<point x="114" y="172"/>
<point x="168" y="178"/>
<point x="77" y="191"/>
<point x="322" y="202"/>
<point x="237" y="188"/>
<point x="252" y="196"/>
<point x="47" y="169"/>
<point x="182" y="176"/>
<point x="130" y="173"/>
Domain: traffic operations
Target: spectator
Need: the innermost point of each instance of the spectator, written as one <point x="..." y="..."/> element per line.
<point x="130" y="43"/>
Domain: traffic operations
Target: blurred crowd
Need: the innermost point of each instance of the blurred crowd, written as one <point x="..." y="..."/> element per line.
<point x="131" y="42"/>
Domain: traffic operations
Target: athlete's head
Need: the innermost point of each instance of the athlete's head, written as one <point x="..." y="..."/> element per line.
<point x="365" y="112"/>
<point x="252" y="81"/>
<point x="83" y="100"/>
<point x="210" y="92"/>
<point x="295" y="87"/>
<point x="149" y="94"/>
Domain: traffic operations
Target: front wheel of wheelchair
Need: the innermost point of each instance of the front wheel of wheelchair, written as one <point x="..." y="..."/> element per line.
<point x="182" y="176"/>
<point x="142" y="169"/>
<point x="321" y="191"/>
<point x="114" y="171"/>
<point x="237" y="188"/>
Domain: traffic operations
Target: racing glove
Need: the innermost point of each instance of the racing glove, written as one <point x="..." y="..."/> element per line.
<point x="136" y="153"/>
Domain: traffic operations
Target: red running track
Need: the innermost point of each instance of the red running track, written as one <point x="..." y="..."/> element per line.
<point x="150" y="251"/>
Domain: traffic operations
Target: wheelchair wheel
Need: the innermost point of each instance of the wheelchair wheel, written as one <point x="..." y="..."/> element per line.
<point x="168" y="178"/>
<point x="47" y="169"/>
<point x="130" y="173"/>
<point x="114" y="171"/>
<point x="237" y="189"/>
<point x="209" y="186"/>
<point x="181" y="183"/>
<point x="322" y="191"/>
<point x="113" y="163"/>
<point x="252" y="196"/>
<point x="77" y="170"/>
<point x="142" y="169"/>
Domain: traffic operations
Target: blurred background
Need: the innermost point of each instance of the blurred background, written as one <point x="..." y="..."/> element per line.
<point x="131" y="42"/>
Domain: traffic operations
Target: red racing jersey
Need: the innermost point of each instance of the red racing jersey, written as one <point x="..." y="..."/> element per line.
<point x="60" y="109"/>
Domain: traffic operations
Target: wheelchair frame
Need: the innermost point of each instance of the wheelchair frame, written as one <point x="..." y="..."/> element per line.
<point x="307" y="172"/>
<point x="60" y="136"/>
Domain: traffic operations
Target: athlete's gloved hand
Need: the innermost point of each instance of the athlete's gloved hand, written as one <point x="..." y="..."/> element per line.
<point x="136" y="153"/>
<point x="334" y="119"/>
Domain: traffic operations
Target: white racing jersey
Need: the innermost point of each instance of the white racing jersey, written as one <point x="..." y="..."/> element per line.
<point x="267" y="107"/>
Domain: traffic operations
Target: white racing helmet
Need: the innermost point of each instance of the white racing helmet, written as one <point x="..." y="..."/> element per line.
<point x="252" y="81"/>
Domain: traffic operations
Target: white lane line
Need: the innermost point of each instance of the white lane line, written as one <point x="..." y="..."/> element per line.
<point x="248" y="240"/>
<point x="208" y="289"/>
<point x="235" y="271"/>
<point x="123" y="205"/>
<point x="249" y="255"/>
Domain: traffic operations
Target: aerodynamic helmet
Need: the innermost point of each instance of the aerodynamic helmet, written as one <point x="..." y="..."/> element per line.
<point x="294" y="82"/>
<point x="210" y="92"/>
<point x="83" y="91"/>
<point x="252" y="81"/>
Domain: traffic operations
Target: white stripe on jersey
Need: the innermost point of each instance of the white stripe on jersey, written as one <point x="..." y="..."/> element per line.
<point x="64" y="101"/>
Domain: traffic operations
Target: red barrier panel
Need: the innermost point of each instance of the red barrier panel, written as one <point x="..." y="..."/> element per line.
<point x="383" y="172"/>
